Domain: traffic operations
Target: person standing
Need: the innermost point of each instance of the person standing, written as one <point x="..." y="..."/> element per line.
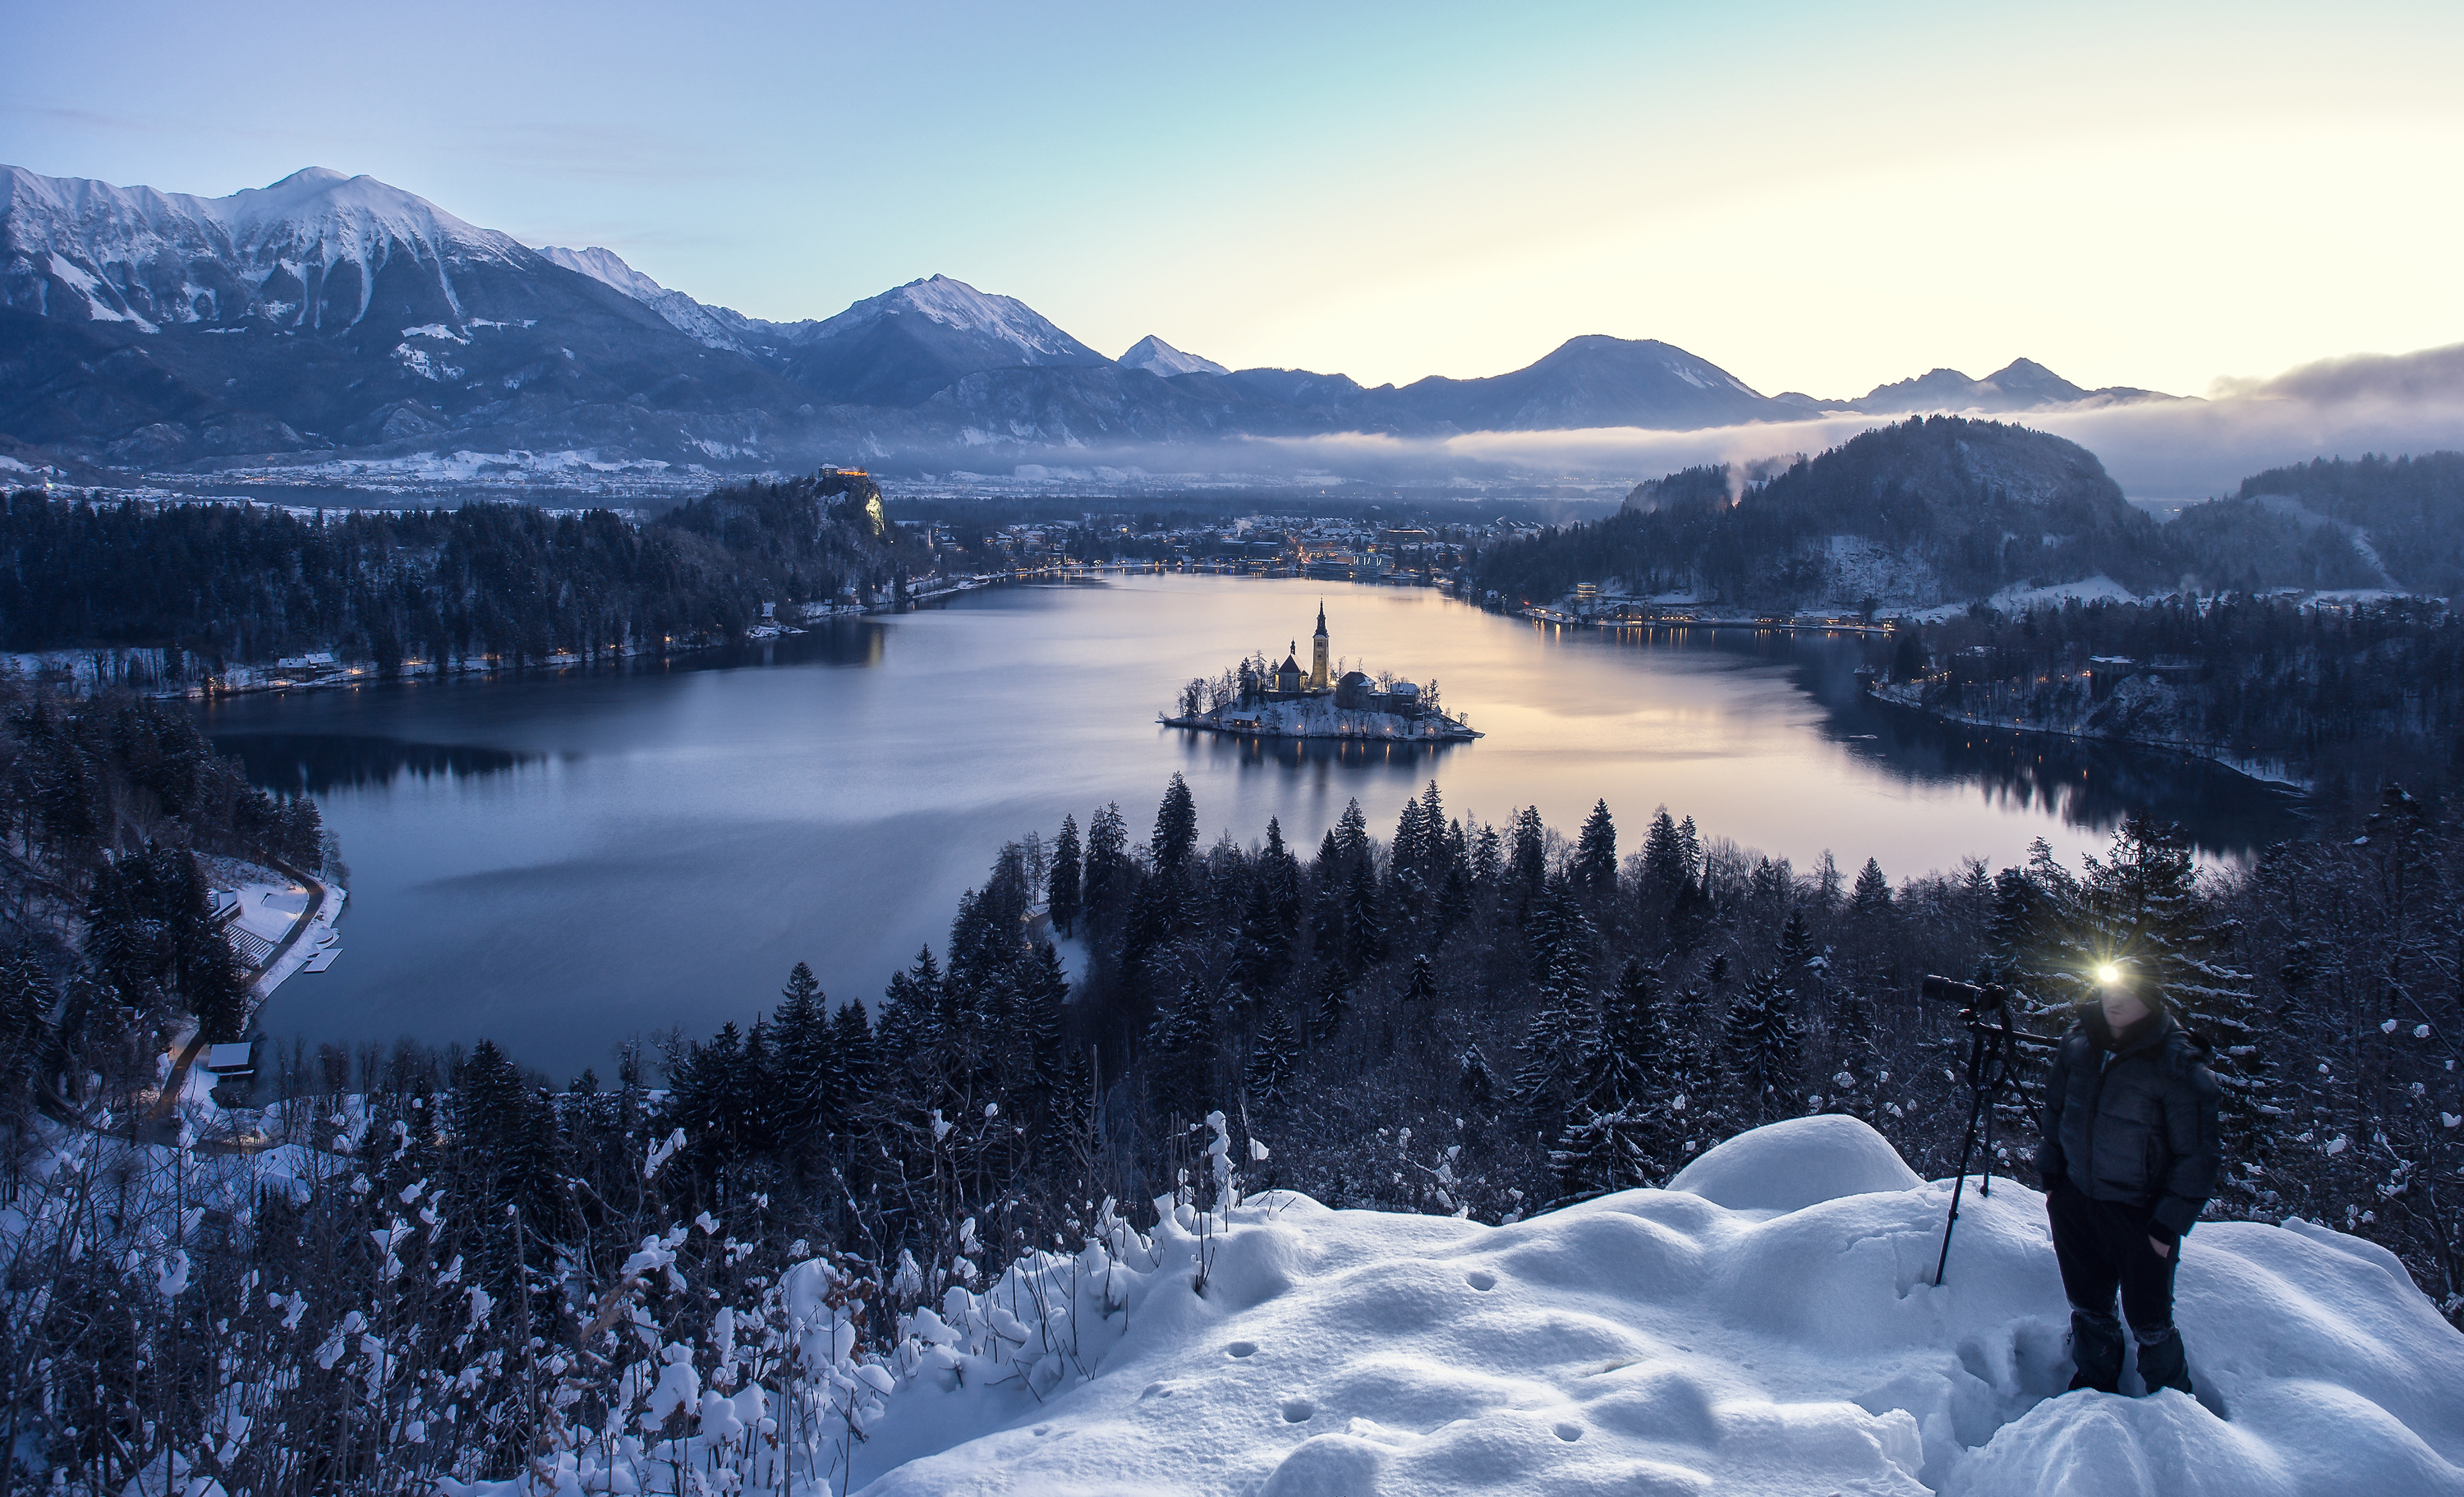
<point x="2128" y="1158"/>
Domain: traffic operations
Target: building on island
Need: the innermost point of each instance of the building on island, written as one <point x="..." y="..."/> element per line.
<point x="1317" y="651"/>
<point x="1285" y="701"/>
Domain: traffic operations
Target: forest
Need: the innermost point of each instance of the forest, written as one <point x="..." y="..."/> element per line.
<point x="221" y="584"/>
<point x="2342" y="698"/>
<point x="450" y="1268"/>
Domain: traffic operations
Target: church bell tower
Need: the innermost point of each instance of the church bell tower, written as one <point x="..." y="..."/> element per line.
<point x="1318" y="681"/>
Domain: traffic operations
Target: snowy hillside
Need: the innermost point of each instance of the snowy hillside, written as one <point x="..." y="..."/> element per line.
<point x="712" y="327"/>
<point x="1766" y="1325"/>
<point x="137" y="255"/>
<point x="1159" y="358"/>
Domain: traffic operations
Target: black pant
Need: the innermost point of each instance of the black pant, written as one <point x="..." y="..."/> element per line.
<point x="2102" y="1246"/>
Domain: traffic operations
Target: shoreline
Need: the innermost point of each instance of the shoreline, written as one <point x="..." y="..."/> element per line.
<point x="2206" y="753"/>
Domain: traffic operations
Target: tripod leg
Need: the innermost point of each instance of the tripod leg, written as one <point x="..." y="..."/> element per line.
<point x="1966" y="1146"/>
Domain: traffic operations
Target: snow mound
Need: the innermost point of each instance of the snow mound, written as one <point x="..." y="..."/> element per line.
<point x="1791" y="1165"/>
<point x="1664" y="1342"/>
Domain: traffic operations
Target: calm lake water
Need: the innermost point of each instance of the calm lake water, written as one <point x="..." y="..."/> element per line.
<point x="558" y="860"/>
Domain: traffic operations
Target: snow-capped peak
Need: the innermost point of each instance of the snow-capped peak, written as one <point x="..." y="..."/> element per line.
<point x="1158" y="357"/>
<point x="151" y="257"/>
<point x="956" y="304"/>
<point x="607" y="267"/>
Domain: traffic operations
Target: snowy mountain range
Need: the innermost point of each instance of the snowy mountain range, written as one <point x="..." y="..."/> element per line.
<point x="329" y="317"/>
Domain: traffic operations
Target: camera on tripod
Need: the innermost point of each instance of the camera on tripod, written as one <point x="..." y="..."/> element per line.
<point x="1992" y="1073"/>
<point x="1974" y="1002"/>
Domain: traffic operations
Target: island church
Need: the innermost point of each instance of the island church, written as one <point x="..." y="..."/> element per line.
<point x="1355" y="690"/>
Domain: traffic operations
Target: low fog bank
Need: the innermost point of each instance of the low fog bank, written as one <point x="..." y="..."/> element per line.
<point x="2161" y="453"/>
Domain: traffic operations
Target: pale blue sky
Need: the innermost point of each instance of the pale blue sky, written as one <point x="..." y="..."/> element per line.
<point x="1817" y="197"/>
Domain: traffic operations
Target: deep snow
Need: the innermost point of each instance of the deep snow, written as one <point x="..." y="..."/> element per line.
<point x="1766" y="1325"/>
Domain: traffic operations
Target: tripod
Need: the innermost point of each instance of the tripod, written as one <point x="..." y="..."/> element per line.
<point x="1993" y="1064"/>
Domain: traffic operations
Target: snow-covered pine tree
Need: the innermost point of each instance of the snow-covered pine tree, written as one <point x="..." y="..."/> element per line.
<point x="1562" y="1024"/>
<point x="1623" y="1131"/>
<point x="1761" y="1041"/>
<point x="1274" y="1057"/>
<point x="1181" y="1055"/>
<point x="1473" y="1078"/>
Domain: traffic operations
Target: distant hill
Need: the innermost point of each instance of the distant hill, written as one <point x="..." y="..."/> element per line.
<point x="2396" y="523"/>
<point x="2021" y="384"/>
<point x="1933" y="509"/>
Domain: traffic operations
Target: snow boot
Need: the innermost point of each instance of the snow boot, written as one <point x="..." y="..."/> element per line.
<point x="2163" y="1363"/>
<point x="2096" y="1350"/>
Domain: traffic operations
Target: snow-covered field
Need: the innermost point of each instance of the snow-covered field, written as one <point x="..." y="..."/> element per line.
<point x="1768" y="1324"/>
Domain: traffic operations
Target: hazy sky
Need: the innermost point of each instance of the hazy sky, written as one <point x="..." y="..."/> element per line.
<point x="1817" y="197"/>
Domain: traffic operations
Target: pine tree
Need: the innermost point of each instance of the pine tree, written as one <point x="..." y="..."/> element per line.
<point x="857" y="1066"/>
<point x="1761" y="1039"/>
<point x="1561" y="1028"/>
<point x="1175" y="828"/>
<point x="1487" y="859"/>
<point x="1274" y="1057"/>
<point x="1352" y="835"/>
<point x="1474" y="1079"/>
<point x="1420" y="993"/>
<point x="1595" y="856"/>
<point x="1334" y="1005"/>
<point x="1269" y="917"/>
<point x="1668" y="869"/>
<point x="1625" y="1130"/>
<point x="1042" y="992"/>
<point x="911" y="1012"/>
<point x="1364" y="922"/>
<point x="1181" y="1052"/>
<point x="807" y="1065"/>
<point x="1527" y="857"/>
<point x="1062" y="887"/>
<point x="506" y="1150"/>
<point x="1106" y="885"/>
<point x="1872" y="899"/>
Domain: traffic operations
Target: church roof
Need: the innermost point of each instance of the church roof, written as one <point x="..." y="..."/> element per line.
<point x="1290" y="664"/>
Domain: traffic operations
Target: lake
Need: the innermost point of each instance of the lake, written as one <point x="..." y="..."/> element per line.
<point x="558" y="860"/>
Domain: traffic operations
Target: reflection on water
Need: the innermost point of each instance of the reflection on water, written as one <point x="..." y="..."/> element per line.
<point x="556" y="859"/>
<point x="313" y="764"/>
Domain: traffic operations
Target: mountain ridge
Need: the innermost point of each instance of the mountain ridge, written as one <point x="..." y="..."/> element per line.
<point x="328" y="314"/>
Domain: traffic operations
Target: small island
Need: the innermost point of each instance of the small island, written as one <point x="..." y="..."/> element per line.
<point x="1259" y="700"/>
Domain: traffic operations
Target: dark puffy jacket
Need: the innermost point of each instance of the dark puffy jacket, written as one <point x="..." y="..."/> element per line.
<point x="2135" y="1124"/>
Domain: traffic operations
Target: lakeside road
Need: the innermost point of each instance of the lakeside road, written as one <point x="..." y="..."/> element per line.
<point x="285" y="958"/>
